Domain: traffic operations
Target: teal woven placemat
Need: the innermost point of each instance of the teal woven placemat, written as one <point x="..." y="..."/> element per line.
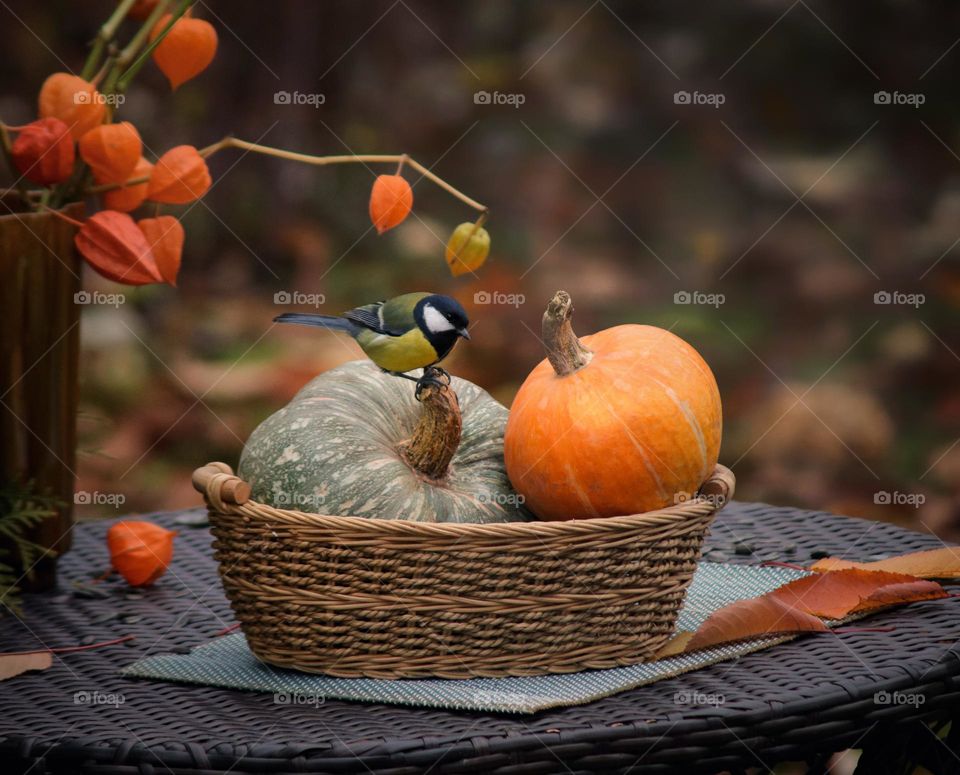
<point x="228" y="662"/>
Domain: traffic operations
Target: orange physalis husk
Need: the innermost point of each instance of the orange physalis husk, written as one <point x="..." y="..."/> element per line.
<point x="140" y="551"/>
<point x="165" y="236"/>
<point x="112" y="151"/>
<point x="76" y="102"/>
<point x="142" y="9"/>
<point x="128" y="197"/>
<point x="186" y="50"/>
<point x="390" y="202"/>
<point x="467" y="249"/>
<point x="43" y="151"/>
<point x="117" y="249"/>
<point x="179" y="176"/>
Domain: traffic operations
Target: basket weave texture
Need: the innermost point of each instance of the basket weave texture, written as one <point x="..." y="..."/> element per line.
<point x="354" y="597"/>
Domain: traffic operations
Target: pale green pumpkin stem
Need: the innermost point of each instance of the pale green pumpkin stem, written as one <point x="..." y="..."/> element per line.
<point x="437" y="435"/>
<point x="565" y="352"/>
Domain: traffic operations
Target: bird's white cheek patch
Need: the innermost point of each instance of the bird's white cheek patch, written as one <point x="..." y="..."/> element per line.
<point x="435" y="321"/>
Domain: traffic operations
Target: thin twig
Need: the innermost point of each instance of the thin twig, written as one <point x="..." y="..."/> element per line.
<point x="305" y="158"/>
<point x="69" y="649"/>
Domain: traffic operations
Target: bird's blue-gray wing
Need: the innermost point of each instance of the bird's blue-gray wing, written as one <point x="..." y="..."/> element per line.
<point x="368" y="316"/>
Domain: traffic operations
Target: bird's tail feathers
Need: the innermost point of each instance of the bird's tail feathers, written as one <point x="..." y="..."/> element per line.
<point x="331" y="322"/>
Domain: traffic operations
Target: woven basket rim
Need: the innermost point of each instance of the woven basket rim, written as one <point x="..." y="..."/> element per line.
<point x="226" y="493"/>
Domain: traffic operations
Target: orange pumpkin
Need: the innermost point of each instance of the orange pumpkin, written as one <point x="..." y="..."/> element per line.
<point x="621" y="422"/>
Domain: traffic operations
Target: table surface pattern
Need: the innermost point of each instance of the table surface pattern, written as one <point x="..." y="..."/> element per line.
<point x="814" y="693"/>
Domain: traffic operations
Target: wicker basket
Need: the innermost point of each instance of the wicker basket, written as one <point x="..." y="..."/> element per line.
<point x="356" y="597"/>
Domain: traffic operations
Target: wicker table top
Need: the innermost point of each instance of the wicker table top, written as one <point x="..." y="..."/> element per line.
<point x="816" y="694"/>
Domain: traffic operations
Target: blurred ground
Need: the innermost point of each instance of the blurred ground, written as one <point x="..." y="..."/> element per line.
<point x="769" y="162"/>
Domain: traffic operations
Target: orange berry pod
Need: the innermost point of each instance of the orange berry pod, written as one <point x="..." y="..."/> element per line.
<point x="43" y="151"/>
<point x="467" y="248"/>
<point x="165" y="236"/>
<point x="391" y="200"/>
<point x="187" y="49"/>
<point x="140" y="551"/>
<point x="76" y="102"/>
<point x="141" y="9"/>
<point x="129" y="197"/>
<point x="114" y="246"/>
<point x="179" y="176"/>
<point x="112" y="151"/>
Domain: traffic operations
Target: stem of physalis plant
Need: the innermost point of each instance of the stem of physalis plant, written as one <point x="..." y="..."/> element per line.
<point x="304" y="158"/>
<point x="104" y="36"/>
<point x="119" y="82"/>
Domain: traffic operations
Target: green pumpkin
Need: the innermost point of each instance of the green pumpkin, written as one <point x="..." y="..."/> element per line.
<point x="342" y="446"/>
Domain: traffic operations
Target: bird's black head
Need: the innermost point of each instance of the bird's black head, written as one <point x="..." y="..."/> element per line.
<point x="442" y="320"/>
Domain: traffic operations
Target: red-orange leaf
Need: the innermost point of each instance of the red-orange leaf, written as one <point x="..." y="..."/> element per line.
<point x="835" y="594"/>
<point x="165" y="237"/>
<point x="179" y="176"/>
<point x="752" y="618"/>
<point x="898" y="594"/>
<point x="114" y="246"/>
<point x="112" y="151"/>
<point x="941" y="563"/>
<point x="391" y="200"/>
<point x="14" y="664"/>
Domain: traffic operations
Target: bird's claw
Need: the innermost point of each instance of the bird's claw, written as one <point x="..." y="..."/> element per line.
<point x="432" y="375"/>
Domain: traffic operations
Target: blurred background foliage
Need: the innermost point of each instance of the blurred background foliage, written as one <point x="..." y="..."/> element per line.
<point x="798" y="199"/>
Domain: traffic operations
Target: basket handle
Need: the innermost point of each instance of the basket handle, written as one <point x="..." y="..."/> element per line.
<point x="720" y="486"/>
<point x="216" y="482"/>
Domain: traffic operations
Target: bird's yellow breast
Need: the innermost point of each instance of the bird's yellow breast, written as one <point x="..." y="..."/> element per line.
<point x="403" y="353"/>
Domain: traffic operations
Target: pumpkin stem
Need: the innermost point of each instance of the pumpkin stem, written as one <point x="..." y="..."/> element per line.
<point x="566" y="353"/>
<point x="437" y="435"/>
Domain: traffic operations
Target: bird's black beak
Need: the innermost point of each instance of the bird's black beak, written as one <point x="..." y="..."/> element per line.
<point x="464" y="333"/>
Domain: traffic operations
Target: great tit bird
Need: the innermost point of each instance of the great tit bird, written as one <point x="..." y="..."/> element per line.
<point x="412" y="331"/>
